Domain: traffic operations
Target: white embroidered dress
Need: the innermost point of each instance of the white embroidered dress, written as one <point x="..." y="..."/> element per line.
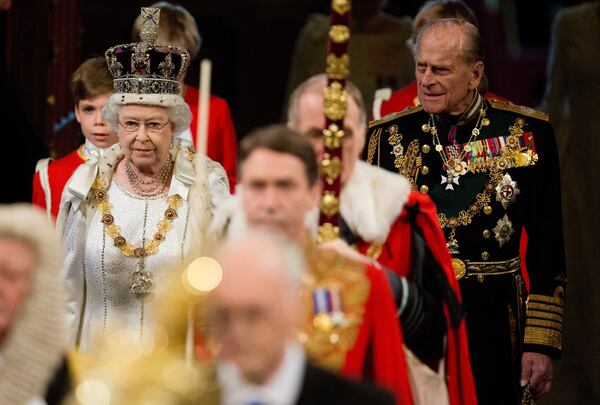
<point x="98" y="276"/>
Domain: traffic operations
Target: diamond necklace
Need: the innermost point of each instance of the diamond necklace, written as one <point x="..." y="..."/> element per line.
<point x="152" y="186"/>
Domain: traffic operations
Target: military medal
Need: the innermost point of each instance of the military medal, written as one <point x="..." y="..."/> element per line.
<point x="450" y="179"/>
<point x="503" y="230"/>
<point x="507" y="191"/>
<point x="327" y="309"/>
<point x="454" y="165"/>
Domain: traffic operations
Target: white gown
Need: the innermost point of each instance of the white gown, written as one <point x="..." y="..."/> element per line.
<point x="97" y="275"/>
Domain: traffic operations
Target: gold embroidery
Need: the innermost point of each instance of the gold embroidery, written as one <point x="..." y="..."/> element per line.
<point x="543" y="336"/>
<point x="328" y="347"/>
<point x="374" y="146"/>
<point x="529" y="112"/>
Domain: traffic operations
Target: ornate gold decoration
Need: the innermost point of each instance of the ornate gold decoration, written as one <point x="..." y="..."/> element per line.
<point x="334" y="104"/>
<point x="487" y="268"/>
<point x="460" y="269"/>
<point x="327" y="232"/>
<point x="338" y="67"/>
<point x="331" y="168"/>
<point x="141" y="279"/>
<point x="339" y="33"/>
<point x="407" y="162"/>
<point x="333" y="136"/>
<point x="327" y="343"/>
<point x="374" y="250"/>
<point x="465" y="216"/>
<point x="114" y="231"/>
<point x="526" y="111"/>
<point x="374" y="146"/>
<point x="330" y="203"/>
<point x="341" y="6"/>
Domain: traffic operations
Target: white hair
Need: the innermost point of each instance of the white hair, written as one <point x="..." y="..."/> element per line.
<point x="180" y="114"/>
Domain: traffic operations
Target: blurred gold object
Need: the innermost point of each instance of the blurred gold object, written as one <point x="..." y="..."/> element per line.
<point x="527" y="398"/>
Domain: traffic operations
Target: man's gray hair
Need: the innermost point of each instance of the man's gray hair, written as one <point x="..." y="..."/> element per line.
<point x="179" y="115"/>
<point x="291" y="255"/>
<point x="472" y="47"/>
<point x="320" y="81"/>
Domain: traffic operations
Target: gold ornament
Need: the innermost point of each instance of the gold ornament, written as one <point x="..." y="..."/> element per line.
<point x="327" y="232"/>
<point x="341" y="6"/>
<point x="334" y="104"/>
<point x="337" y="67"/>
<point x="339" y="33"/>
<point x="330" y="204"/>
<point x="331" y="168"/>
<point x="333" y="136"/>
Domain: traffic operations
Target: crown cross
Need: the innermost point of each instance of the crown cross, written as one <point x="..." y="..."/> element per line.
<point x="150" y="19"/>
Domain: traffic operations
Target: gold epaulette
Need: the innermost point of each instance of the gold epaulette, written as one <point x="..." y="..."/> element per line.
<point x="519" y="109"/>
<point x="328" y="337"/>
<point x="393" y="116"/>
<point x="545" y="319"/>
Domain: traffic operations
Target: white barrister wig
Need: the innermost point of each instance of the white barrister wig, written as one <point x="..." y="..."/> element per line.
<point x="34" y="347"/>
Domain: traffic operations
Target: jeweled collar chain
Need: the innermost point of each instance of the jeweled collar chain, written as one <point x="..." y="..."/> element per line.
<point x="453" y="163"/>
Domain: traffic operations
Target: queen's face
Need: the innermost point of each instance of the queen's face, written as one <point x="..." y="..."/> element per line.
<point x="145" y="134"/>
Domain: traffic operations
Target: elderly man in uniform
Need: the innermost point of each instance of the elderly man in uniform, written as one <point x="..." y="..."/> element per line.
<point x="491" y="168"/>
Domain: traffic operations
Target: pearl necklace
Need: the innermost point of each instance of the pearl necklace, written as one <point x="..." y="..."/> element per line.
<point x="153" y="186"/>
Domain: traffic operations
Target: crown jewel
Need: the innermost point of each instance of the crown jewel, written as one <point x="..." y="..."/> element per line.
<point x="145" y="67"/>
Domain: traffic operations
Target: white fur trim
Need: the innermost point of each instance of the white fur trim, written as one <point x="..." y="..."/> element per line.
<point x="160" y="100"/>
<point x="372" y="200"/>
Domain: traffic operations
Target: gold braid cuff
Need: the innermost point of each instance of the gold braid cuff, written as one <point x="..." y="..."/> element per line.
<point x="544" y="320"/>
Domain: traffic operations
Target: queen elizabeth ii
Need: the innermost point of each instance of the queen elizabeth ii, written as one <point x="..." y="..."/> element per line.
<point x="135" y="215"/>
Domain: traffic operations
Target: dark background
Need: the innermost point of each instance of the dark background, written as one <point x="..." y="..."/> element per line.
<point x="250" y="43"/>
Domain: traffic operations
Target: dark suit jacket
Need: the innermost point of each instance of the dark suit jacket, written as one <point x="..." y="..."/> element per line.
<point x="323" y="387"/>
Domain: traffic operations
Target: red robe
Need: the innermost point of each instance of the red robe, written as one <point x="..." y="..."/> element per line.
<point x="59" y="172"/>
<point x="378" y="347"/>
<point x="396" y="254"/>
<point x="222" y="142"/>
<point x="407" y="97"/>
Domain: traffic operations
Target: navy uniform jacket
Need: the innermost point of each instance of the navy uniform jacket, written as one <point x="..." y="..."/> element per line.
<point x="509" y="180"/>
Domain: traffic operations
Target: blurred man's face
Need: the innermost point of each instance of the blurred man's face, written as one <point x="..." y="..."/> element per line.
<point x="310" y="121"/>
<point x="252" y="315"/>
<point x="445" y="81"/>
<point x="17" y="263"/>
<point x="276" y="192"/>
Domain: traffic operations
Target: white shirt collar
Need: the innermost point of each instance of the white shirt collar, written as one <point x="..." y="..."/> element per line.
<point x="92" y="150"/>
<point x="283" y="388"/>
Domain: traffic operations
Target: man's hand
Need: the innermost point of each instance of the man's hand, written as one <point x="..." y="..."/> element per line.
<point x="342" y="248"/>
<point x="536" y="370"/>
